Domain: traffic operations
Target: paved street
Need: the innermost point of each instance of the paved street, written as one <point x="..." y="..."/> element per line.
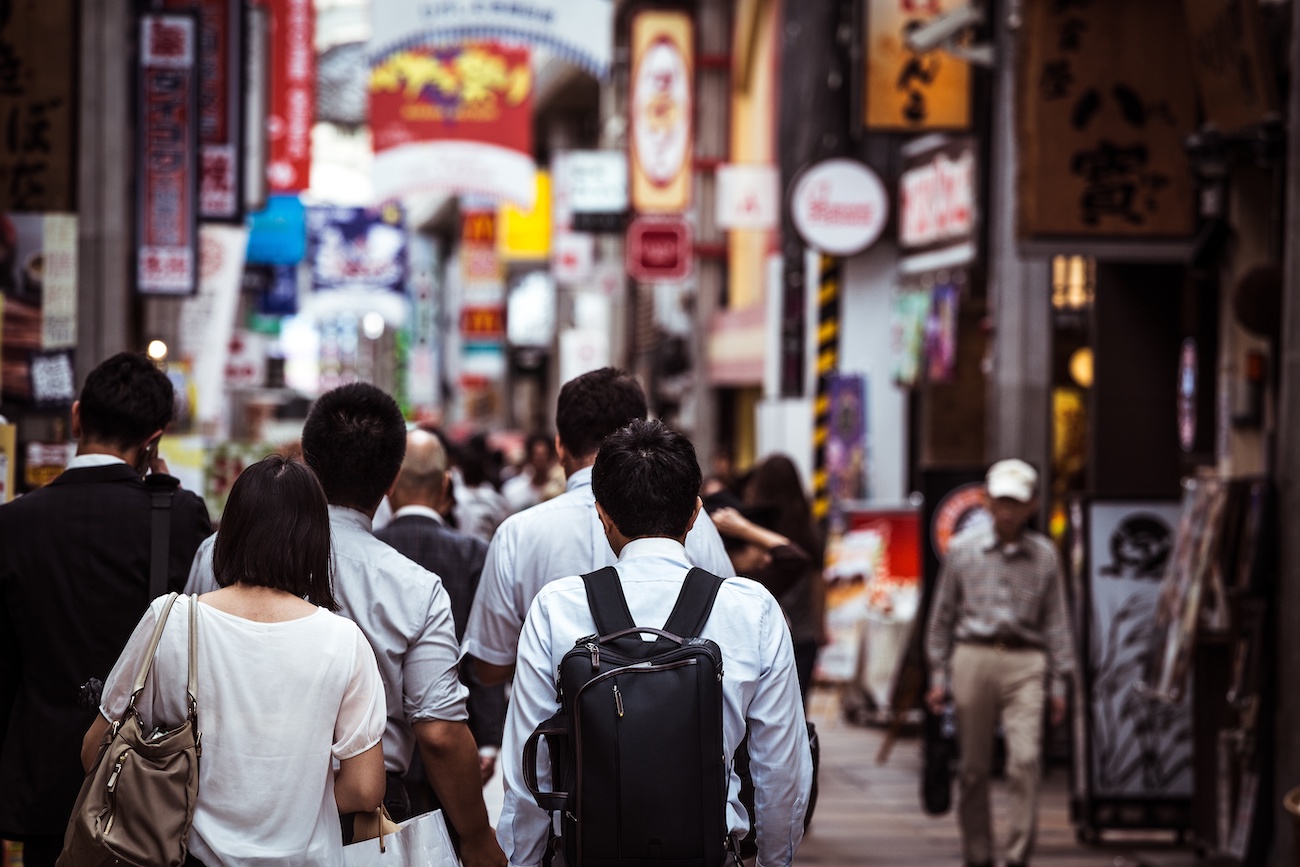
<point x="870" y="814"/>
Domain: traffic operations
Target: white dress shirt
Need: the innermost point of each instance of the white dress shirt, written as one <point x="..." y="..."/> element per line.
<point x="562" y="536"/>
<point x="403" y="609"/>
<point x="759" y="687"/>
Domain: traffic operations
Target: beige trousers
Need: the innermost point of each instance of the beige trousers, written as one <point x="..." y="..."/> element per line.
<point x="988" y="684"/>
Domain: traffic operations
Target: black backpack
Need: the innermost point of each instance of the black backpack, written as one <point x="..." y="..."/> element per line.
<point x="639" y="772"/>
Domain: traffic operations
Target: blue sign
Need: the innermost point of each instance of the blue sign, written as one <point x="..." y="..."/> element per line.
<point x="278" y="235"/>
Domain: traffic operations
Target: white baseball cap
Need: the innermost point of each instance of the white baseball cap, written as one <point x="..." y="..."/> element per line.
<point x="1012" y="478"/>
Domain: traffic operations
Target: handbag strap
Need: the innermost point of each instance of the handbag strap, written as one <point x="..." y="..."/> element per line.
<point x="191" y="687"/>
<point x="143" y="674"/>
<point x="192" y="679"/>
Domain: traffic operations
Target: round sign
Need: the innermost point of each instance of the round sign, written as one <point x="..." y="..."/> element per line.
<point x="960" y="509"/>
<point x="839" y="206"/>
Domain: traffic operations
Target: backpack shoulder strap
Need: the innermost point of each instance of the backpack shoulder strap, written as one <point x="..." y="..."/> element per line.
<point x="694" y="603"/>
<point x="161" y="487"/>
<point x="607" y="602"/>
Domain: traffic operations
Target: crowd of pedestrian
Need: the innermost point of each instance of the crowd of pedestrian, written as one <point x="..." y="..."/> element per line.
<point x="350" y="632"/>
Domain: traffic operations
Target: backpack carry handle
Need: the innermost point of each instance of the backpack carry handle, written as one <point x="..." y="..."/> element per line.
<point x="636" y="630"/>
<point x="556" y="726"/>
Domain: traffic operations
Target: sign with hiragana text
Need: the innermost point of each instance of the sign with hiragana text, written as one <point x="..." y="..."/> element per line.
<point x="906" y="90"/>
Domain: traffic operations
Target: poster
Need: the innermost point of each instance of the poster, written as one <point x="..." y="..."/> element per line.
<point x="909" y="312"/>
<point x="293" y="94"/>
<point x="38" y="283"/>
<point x="454" y="119"/>
<point x="39" y="101"/>
<point x="846" y="439"/>
<point x="167" y="176"/>
<point x="661" y="111"/>
<point x="941" y="333"/>
<point x="906" y="91"/>
<point x="1139" y="746"/>
<point x="362" y="249"/>
<point x="1102" y="120"/>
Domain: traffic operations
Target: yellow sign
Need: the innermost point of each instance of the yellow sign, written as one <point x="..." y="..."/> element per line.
<point x="8" y="460"/>
<point x="661" y="138"/>
<point x="906" y="90"/>
<point x="527" y="234"/>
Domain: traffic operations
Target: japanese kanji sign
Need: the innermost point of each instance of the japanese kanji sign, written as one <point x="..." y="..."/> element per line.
<point x="906" y="90"/>
<point x="38" y="105"/>
<point x="1104" y="108"/>
<point x="293" y="95"/>
<point x="1233" y="72"/>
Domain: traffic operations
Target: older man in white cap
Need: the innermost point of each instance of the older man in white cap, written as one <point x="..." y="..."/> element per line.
<point x="998" y="630"/>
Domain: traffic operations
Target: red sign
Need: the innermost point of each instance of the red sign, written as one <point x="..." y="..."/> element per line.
<point x="659" y="249"/>
<point x="293" y="95"/>
<point x="167" y="173"/>
<point x="483" y="323"/>
<point x="221" y="28"/>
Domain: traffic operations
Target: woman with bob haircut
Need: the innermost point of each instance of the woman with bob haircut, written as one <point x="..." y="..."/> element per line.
<point x="284" y="685"/>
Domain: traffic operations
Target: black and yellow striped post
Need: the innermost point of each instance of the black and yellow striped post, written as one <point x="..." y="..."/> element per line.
<point x="828" y="361"/>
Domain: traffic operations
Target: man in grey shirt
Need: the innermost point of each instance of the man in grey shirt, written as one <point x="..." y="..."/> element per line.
<point x="355" y="438"/>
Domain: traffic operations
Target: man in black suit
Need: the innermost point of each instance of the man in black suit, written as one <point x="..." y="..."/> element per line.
<point x="74" y="581"/>
<point x="419" y="497"/>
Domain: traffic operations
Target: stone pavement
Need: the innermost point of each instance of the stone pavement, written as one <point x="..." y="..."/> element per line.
<point x="870" y="814"/>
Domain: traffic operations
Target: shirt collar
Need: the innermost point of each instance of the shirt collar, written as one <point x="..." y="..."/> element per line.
<point x="81" y="462"/>
<point x="418" y="512"/>
<point x="349" y="517"/>
<point x="990" y="543"/>
<point x="579" y="479"/>
<point x="653" y="546"/>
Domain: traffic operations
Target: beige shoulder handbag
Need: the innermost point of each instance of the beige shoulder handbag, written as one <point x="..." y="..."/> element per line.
<point x="137" y="802"/>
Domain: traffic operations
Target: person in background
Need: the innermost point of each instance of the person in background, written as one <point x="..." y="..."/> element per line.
<point x="998" y="628"/>
<point x="480" y="508"/>
<point x="267" y="793"/>
<point x="75" y="557"/>
<point x="541" y="477"/>
<point x="418" y="531"/>
<point x="775" y="484"/>
<point x="756" y="551"/>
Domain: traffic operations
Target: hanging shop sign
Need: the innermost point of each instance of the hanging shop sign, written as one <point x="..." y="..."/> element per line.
<point x="257" y="95"/>
<point x="167" y="183"/>
<point x="207" y="320"/>
<point x="52" y="270"/>
<point x="906" y="90"/>
<point x="221" y="86"/>
<point x="1102" y="121"/>
<point x="357" y="248"/>
<point x="293" y="94"/>
<point x="839" y="206"/>
<point x="1231" y="62"/>
<point x="278" y="234"/>
<point x="661" y="111"/>
<point x="38" y="102"/>
<point x="455" y="119"/>
<point x="659" y="248"/>
<point x="579" y="31"/>
<point x="573" y="256"/>
<point x="594" y="194"/>
<point x="937" y="210"/>
<point x="525" y="233"/>
<point x="748" y="197"/>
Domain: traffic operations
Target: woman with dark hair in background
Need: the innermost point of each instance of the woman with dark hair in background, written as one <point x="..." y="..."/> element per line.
<point x="775" y="485"/>
<point x="284" y="686"/>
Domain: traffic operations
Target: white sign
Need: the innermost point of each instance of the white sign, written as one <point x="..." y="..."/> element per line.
<point x="580" y="31"/>
<point x="572" y="257"/>
<point x="207" y="320"/>
<point x="839" y="207"/>
<point x="593" y="182"/>
<point x="748" y="197"/>
<point x="582" y="350"/>
<point x="936" y="201"/>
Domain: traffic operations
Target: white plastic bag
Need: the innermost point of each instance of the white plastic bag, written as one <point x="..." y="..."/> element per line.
<point x="421" y="841"/>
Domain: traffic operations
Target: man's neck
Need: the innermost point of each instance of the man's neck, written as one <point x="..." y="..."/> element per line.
<point x="90" y="447"/>
<point x="572" y="465"/>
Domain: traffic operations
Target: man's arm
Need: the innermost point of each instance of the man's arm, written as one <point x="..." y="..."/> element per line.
<point x="451" y="762"/>
<point x="938" y="634"/>
<point x="202" y="580"/>
<point x="704" y="548"/>
<point x="492" y="634"/>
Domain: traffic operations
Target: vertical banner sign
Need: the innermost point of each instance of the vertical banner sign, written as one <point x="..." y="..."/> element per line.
<point x="1231" y="62"/>
<point x="221" y="86"/>
<point x="662" y="111"/>
<point x="482" y="314"/>
<point x="293" y="95"/>
<point x="906" y="90"/>
<point x="38" y="105"/>
<point x="1102" y="118"/>
<point x="167" y="152"/>
<point x="454" y="119"/>
<point x="257" y="76"/>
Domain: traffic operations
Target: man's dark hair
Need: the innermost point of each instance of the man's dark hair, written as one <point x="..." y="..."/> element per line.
<point x="594" y="405"/>
<point x="646" y="478"/>
<point x="275" y="532"/>
<point x="355" y="439"/>
<point x="125" y="399"/>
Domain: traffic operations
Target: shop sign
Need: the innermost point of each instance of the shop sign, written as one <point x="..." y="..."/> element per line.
<point x="582" y="350"/>
<point x="8" y="458"/>
<point x="839" y="206"/>
<point x="1187" y="375"/>
<point x="278" y="234"/>
<point x="483" y="323"/>
<point x="661" y="111"/>
<point x="659" y="249"/>
<point x="573" y="256"/>
<point x="207" y="320"/>
<point x="456" y="119"/>
<point x="579" y="31"/>
<point x="52" y="270"/>
<point x="1102" y="121"/>
<point x="1231" y="62"/>
<point x="906" y="90"/>
<point x="167" y="183"/>
<point x="293" y="94"/>
<point x="257" y="73"/>
<point x="39" y="102"/>
<point x="53" y="381"/>
<point x="845" y="449"/>
<point x="357" y="248"/>
<point x="748" y="197"/>
<point x="221" y="83"/>
<point x="479" y="261"/>
<point x="961" y="509"/>
<point x="46" y="461"/>
<point x="525" y="233"/>
<point x="936" y="197"/>
<point x="594" y="190"/>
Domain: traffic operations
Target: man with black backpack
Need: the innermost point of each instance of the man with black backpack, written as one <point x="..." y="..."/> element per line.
<point x="661" y="667"/>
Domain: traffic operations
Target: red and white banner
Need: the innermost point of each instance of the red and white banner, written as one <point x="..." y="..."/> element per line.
<point x="167" y="172"/>
<point x="293" y="95"/>
<point x="661" y="136"/>
<point x="454" y="119"/>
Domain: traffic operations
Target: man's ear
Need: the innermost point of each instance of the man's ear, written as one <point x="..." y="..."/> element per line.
<point x="76" y="419"/>
<point x="699" y="504"/>
<point x="560" y="451"/>
<point x="605" y="520"/>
